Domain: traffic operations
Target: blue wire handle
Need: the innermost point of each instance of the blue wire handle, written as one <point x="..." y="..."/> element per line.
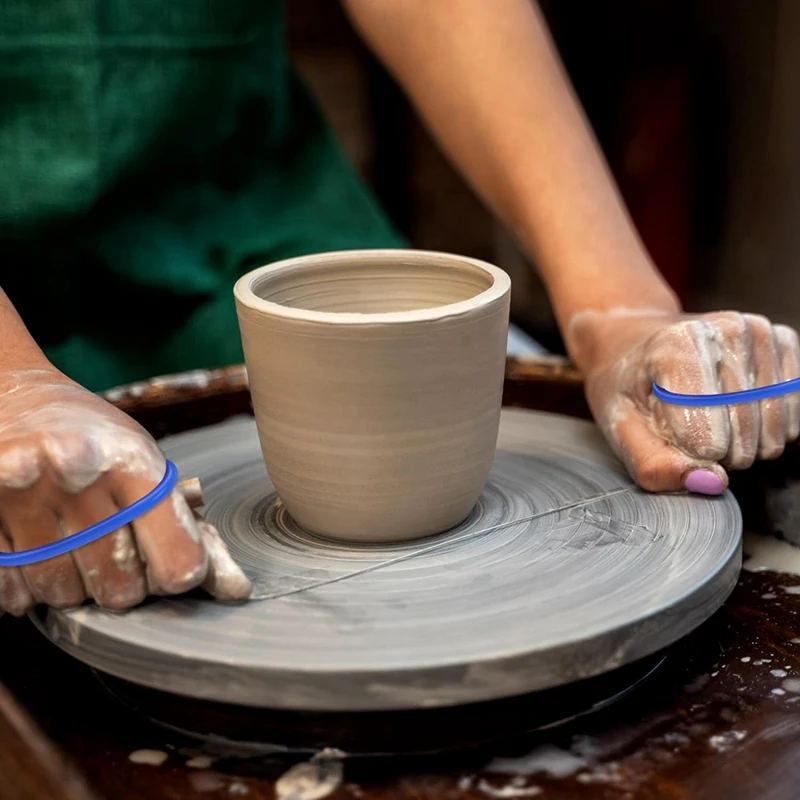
<point x="727" y="398"/>
<point x="94" y="532"/>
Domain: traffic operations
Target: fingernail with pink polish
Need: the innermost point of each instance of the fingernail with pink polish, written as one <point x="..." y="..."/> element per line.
<point x="702" y="481"/>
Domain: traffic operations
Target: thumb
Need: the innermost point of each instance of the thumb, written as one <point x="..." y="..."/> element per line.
<point x="225" y="580"/>
<point x="658" y="466"/>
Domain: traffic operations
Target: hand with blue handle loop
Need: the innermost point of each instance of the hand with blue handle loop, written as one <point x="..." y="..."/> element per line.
<point x="727" y="398"/>
<point x="70" y="461"/>
<point x="23" y="558"/>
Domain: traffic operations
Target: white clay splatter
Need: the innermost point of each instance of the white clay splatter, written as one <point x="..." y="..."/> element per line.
<point x="778" y="673"/>
<point x="795" y="641"/>
<point x="766" y="553"/>
<point x="545" y="759"/>
<point x="769" y="596"/>
<point x="507" y="791"/>
<point x="71" y="623"/>
<point x="152" y="758"/>
<point x="200" y="762"/>
<point x="238" y="789"/>
<point x="792" y="685"/>
<point x="328" y="753"/>
<point x="124" y="552"/>
<point x="791" y="589"/>
<point x="724" y="741"/>
<point x="779" y="691"/>
<point x="602" y="773"/>
<point x="310" y="780"/>
<point x="745" y="660"/>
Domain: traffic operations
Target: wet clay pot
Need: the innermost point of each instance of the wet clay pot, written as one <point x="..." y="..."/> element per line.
<point x="376" y="378"/>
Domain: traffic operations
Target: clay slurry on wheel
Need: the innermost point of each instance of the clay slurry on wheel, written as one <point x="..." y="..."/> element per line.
<point x="564" y="570"/>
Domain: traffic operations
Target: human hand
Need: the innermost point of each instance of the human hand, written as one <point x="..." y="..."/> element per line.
<point x="666" y="447"/>
<point x="69" y="459"/>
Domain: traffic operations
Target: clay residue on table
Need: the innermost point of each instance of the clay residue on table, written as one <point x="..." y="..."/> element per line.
<point x="311" y="780"/>
<point x="716" y="725"/>
<point x="771" y="554"/>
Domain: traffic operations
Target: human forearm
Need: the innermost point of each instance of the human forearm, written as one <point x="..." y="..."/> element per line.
<point x="485" y="76"/>
<point x="487" y="80"/>
<point x="18" y="350"/>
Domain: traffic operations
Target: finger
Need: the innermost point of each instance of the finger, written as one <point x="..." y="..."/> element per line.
<point x="656" y="465"/>
<point x="167" y="536"/>
<point x="15" y="597"/>
<point x="734" y="376"/>
<point x="20" y="465"/>
<point x="765" y="370"/>
<point x="75" y="461"/>
<point x="787" y="343"/>
<point x="112" y="570"/>
<point x="30" y="521"/>
<point x="225" y="580"/>
<point x="685" y="359"/>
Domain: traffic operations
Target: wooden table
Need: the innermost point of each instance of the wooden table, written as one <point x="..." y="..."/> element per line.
<point x="718" y="720"/>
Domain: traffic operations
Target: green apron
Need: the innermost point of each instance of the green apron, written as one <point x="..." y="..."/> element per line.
<point x="151" y="151"/>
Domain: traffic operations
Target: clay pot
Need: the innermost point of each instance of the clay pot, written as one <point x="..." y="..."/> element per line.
<point x="376" y="378"/>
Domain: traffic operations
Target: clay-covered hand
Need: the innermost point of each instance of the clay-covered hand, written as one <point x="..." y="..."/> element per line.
<point x="667" y="447"/>
<point x="69" y="459"/>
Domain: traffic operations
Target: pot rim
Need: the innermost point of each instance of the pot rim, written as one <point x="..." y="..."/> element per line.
<point x="244" y="294"/>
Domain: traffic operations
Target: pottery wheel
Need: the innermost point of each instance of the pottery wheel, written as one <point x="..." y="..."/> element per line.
<point x="565" y="570"/>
